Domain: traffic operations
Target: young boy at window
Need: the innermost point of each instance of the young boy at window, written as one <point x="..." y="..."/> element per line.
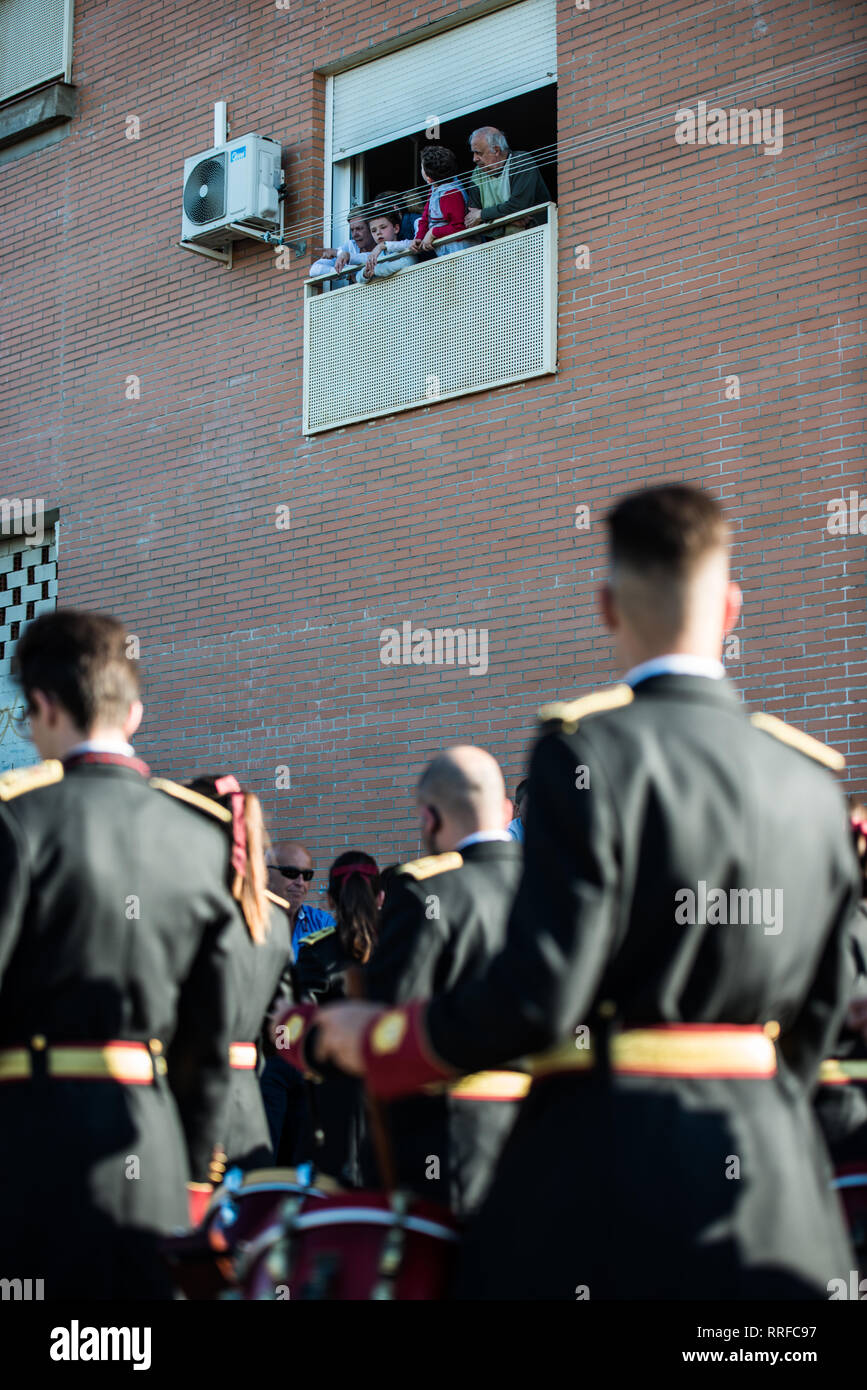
<point x="385" y="230"/>
<point x="446" y="208"/>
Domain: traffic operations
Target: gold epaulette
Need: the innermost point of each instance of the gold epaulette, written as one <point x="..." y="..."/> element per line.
<point x="281" y="902"/>
<point x="570" y="714"/>
<point x="27" y="779"/>
<point x="432" y="864"/>
<point x="796" y="738"/>
<point x="201" y="803"/>
<point x="315" y="936"/>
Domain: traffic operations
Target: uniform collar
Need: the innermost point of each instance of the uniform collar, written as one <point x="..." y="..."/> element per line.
<point x="106" y="751"/>
<point x="675" y="664"/>
<point x="481" y="837"/>
<point x="101" y="745"/>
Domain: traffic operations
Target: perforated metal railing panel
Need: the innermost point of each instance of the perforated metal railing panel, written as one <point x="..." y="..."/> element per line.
<point x="31" y="43"/>
<point x="458" y="324"/>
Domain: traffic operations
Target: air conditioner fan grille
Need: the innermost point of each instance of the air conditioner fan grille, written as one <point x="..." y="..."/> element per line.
<point x="205" y="191"/>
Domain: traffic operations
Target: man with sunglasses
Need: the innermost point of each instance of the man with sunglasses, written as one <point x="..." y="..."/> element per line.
<point x="290" y="873"/>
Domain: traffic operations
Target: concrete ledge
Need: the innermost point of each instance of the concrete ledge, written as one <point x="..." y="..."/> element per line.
<point x="32" y="112"/>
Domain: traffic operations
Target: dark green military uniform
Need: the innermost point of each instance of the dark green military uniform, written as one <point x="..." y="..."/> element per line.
<point x="625" y="1183"/>
<point x="261" y="985"/>
<point x="114" y="917"/>
<point x="443" y="921"/>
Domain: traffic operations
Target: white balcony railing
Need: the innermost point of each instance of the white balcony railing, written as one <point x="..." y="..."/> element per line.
<point x="482" y="317"/>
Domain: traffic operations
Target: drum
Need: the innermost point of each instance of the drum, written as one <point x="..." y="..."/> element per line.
<point x="355" y="1245"/>
<point x="204" y="1262"/>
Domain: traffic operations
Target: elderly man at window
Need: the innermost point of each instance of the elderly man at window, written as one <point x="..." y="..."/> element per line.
<point x="504" y="181"/>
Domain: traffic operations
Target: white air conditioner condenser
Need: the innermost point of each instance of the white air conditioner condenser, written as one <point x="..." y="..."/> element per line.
<point x="236" y="183"/>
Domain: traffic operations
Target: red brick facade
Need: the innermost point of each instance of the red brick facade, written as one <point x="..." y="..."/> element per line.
<point x="260" y="645"/>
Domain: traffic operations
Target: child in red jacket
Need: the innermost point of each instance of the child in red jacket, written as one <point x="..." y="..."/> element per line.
<point x="446" y="207"/>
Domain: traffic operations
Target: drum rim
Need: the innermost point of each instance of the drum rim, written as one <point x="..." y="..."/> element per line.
<point x="372" y="1216"/>
<point x="295" y="1188"/>
<point x="279" y="1178"/>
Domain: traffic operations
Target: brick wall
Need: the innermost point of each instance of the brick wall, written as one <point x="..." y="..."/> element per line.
<point x="260" y="645"/>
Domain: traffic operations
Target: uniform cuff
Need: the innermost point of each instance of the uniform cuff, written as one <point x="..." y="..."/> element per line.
<point x="398" y="1057"/>
<point x="291" y="1032"/>
<point x="199" y="1195"/>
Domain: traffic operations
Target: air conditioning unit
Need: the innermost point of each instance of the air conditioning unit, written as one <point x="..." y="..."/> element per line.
<point x="230" y="188"/>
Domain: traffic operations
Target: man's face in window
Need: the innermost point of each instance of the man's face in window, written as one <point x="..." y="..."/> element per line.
<point x="360" y="233"/>
<point x="485" y="158"/>
<point x="382" y="229"/>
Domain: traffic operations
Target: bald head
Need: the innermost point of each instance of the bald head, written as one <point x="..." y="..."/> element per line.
<point x="290" y="851"/>
<point x="465" y="788"/>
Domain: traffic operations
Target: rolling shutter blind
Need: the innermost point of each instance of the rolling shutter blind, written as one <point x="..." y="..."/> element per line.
<point x="32" y="47"/>
<point x="465" y="69"/>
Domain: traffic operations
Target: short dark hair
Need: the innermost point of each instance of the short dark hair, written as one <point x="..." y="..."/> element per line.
<point x="520" y="790"/>
<point x="393" y="215"/>
<point x="438" y="162"/>
<point x="667" y="529"/>
<point x="81" y="660"/>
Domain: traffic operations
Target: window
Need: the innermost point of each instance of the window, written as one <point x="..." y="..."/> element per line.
<point x="484" y="315"/>
<point x="457" y="80"/>
<point x="529" y="122"/>
<point x="35" y="44"/>
<point x="28" y="587"/>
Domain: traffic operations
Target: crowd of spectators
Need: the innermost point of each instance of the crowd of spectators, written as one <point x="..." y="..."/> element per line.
<point x="391" y="238"/>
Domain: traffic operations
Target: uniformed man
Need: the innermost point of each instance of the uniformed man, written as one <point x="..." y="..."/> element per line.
<point x="260" y="971"/>
<point x="114" y="1026"/>
<point x="443" y="920"/>
<point x="676" y="955"/>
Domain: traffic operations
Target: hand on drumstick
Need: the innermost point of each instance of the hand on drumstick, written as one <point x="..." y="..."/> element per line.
<point x="341" y="1029"/>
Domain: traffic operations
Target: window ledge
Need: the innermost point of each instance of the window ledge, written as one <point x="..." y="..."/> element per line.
<point x="31" y="113"/>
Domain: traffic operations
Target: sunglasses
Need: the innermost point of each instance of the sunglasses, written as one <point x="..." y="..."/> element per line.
<point x="289" y="871"/>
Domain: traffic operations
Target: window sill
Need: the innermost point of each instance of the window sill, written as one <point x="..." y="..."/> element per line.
<point x="37" y="114"/>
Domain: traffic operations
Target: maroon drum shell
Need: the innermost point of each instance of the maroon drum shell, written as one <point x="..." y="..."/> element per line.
<point x="203" y="1261"/>
<point x="336" y="1246"/>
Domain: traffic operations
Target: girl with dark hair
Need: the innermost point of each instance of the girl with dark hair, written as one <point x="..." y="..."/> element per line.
<point x="332" y="1140"/>
<point x="260" y="971"/>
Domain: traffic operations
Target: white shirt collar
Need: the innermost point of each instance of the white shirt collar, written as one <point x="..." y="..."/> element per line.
<point x="676" y="664"/>
<point x="102" y="745"/>
<point x="479" y="836"/>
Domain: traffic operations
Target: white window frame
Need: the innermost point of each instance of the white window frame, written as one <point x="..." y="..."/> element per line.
<point x="66" y="72"/>
<point x="343" y="180"/>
